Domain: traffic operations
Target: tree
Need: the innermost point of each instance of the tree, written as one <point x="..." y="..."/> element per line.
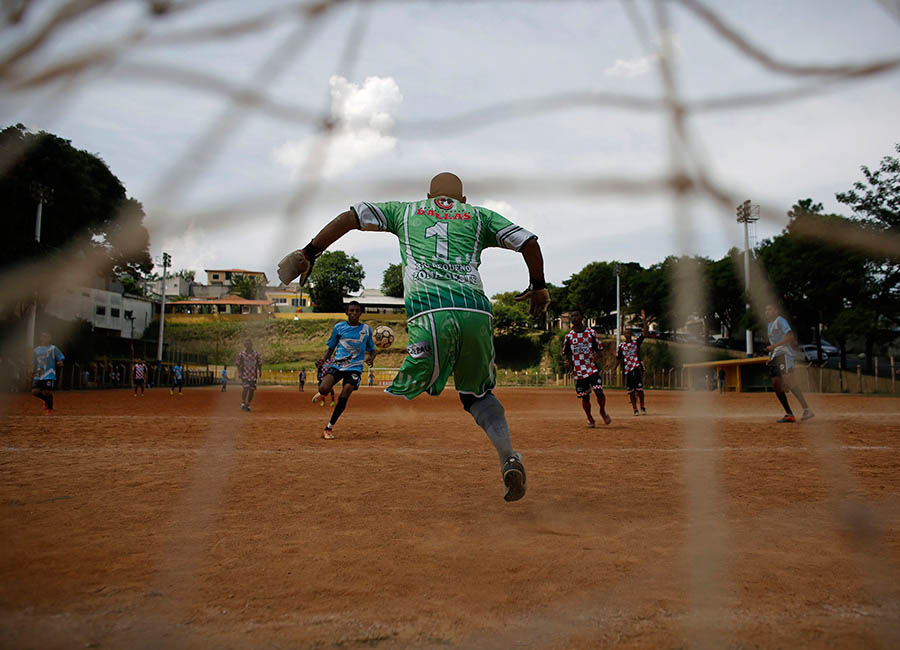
<point x="726" y="293"/>
<point x="814" y="280"/>
<point x="88" y="209"/>
<point x="392" y="283"/>
<point x="593" y="290"/>
<point x="245" y="286"/>
<point x="559" y="300"/>
<point x="130" y="285"/>
<point x="186" y="274"/>
<point x="335" y="275"/>
<point x="877" y="200"/>
<point x="510" y="316"/>
<point x="651" y="291"/>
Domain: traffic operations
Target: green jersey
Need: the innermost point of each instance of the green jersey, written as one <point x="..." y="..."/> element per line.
<point x="441" y="241"/>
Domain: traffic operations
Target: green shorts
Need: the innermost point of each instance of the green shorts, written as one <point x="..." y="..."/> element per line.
<point x="445" y="342"/>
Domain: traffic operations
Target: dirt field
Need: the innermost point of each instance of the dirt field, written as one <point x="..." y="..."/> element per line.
<point x="183" y="522"/>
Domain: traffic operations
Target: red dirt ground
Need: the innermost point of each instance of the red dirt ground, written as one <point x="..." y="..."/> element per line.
<point x="183" y="522"/>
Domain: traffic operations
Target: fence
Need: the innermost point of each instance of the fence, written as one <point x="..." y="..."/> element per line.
<point x="119" y="374"/>
<point x="829" y="380"/>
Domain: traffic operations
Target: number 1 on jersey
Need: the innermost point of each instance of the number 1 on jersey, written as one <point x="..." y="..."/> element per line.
<point x="440" y="231"/>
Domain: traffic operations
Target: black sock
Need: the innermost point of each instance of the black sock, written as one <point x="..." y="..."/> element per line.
<point x="341" y="405"/>
<point x="784" y="402"/>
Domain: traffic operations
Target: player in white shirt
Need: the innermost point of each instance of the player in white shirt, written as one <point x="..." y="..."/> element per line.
<point x="781" y="363"/>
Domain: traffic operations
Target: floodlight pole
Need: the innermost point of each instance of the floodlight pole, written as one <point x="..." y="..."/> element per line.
<point x="745" y="216"/>
<point x="42" y="194"/>
<point x="618" y="307"/>
<point x="162" y="319"/>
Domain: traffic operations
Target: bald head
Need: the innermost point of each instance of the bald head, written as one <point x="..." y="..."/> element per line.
<point x="447" y="184"/>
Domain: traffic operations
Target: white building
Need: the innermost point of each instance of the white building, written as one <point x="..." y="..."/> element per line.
<point x="175" y="286"/>
<point x="108" y="310"/>
<point x="373" y="301"/>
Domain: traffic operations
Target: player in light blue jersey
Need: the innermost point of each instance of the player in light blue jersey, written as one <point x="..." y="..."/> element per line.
<point x="349" y="346"/>
<point x="781" y="363"/>
<point x="47" y="358"/>
<point x="177" y="379"/>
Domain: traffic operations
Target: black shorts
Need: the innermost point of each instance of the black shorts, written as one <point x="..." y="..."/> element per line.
<point x="43" y="384"/>
<point x="349" y="377"/>
<point x="139" y="382"/>
<point x="634" y="380"/>
<point x="585" y="385"/>
<point x="779" y="367"/>
<point x="178" y="382"/>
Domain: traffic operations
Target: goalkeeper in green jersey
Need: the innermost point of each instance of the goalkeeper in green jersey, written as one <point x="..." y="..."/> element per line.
<point x="449" y="315"/>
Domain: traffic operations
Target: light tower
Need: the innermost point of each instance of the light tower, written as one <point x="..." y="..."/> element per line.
<point x="747" y="213"/>
<point x="44" y="196"/>
<point x="166" y="263"/>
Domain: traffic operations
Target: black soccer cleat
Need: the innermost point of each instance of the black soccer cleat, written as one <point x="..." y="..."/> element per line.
<point x="514" y="478"/>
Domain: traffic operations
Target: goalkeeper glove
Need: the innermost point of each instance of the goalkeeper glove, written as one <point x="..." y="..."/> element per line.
<point x="298" y="263"/>
<point x="538" y="295"/>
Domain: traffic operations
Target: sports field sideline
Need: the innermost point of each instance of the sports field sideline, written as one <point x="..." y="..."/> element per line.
<point x="183" y="522"/>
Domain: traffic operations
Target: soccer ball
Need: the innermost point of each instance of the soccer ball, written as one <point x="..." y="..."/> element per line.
<point x="383" y="336"/>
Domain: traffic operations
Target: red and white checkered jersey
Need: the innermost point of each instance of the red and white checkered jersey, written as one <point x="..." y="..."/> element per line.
<point x="249" y="364"/>
<point x="630" y="353"/>
<point x="580" y="346"/>
<point x="140" y="370"/>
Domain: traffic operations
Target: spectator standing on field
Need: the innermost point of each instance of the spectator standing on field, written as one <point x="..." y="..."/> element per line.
<point x="249" y="365"/>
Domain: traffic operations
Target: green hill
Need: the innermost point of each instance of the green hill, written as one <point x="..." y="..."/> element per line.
<point x="285" y="344"/>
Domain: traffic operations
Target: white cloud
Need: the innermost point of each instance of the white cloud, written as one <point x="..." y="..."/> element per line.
<point x="363" y="124"/>
<point x="632" y="67"/>
<point x="515" y="215"/>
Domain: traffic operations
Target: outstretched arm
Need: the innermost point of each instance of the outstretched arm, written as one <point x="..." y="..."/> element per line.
<point x="300" y="262"/>
<point x="537" y="287"/>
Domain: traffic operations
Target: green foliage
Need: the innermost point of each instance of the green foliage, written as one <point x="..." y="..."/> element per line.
<point x="510" y="317"/>
<point x="727" y="298"/>
<point x="593" y="290"/>
<point x="518" y="351"/>
<point x="130" y="285"/>
<point x="392" y="282"/>
<point x="877" y="201"/>
<point x="245" y="286"/>
<point x="284" y="343"/>
<point x="815" y="280"/>
<point x="559" y="300"/>
<point x="335" y="275"/>
<point x="554" y="352"/>
<point x="657" y="356"/>
<point x="88" y="209"/>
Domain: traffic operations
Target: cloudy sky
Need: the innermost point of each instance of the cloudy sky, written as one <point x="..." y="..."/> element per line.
<point x="244" y="127"/>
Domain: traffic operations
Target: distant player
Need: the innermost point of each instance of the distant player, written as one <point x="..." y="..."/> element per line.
<point x="581" y="355"/>
<point x="249" y="365"/>
<point x="628" y="354"/>
<point x="450" y="320"/>
<point x="781" y="363"/>
<point x="301" y="378"/>
<point x="177" y="378"/>
<point x="140" y="376"/>
<point x="224" y="378"/>
<point x="47" y="358"/>
<point x="320" y="375"/>
<point x="350" y="344"/>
